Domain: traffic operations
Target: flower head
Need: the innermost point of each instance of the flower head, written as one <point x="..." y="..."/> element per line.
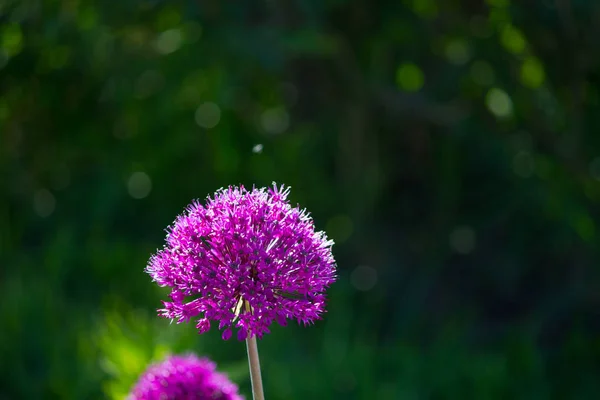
<point x="244" y="259"/>
<point x="184" y="378"/>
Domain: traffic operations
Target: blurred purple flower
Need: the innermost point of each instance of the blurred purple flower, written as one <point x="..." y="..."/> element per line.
<point x="184" y="378"/>
<point x="245" y="259"/>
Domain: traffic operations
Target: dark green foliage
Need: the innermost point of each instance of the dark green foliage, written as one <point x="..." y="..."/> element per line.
<point x="450" y="148"/>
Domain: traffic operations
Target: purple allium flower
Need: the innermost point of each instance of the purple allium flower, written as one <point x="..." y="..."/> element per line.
<point x="184" y="378"/>
<point x="244" y="259"/>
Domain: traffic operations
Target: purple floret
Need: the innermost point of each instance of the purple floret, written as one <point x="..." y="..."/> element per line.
<point x="184" y="378"/>
<point x="244" y="259"/>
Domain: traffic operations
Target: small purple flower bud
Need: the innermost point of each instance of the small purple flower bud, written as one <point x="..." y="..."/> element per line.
<point x="242" y="334"/>
<point x="226" y="334"/>
<point x="203" y="325"/>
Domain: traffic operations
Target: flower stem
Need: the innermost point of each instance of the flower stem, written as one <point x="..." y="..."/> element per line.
<point x="253" y="361"/>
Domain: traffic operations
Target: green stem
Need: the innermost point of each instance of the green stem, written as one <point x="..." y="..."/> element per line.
<point x="254" y="363"/>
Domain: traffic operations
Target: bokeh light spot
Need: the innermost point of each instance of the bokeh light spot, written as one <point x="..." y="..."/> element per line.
<point x="257" y="149"/>
<point x="532" y="73"/>
<point x="139" y="185"/>
<point x="363" y="278"/>
<point x="275" y="120"/>
<point x="12" y="39"/>
<point x="462" y="239"/>
<point x="458" y="52"/>
<point x="409" y="77"/>
<point x="499" y="103"/>
<point x="512" y="39"/>
<point x="87" y="18"/>
<point x="585" y="226"/>
<point x="168" y="18"/>
<point x="425" y="8"/>
<point x="208" y="115"/>
<point x="44" y="203"/>
<point x="169" y="41"/>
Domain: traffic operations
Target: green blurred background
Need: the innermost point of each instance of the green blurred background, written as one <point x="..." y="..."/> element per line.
<point x="449" y="147"/>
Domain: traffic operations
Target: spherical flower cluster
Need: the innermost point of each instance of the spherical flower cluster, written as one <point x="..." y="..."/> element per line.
<point x="184" y="378"/>
<point x="245" y="259"/>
